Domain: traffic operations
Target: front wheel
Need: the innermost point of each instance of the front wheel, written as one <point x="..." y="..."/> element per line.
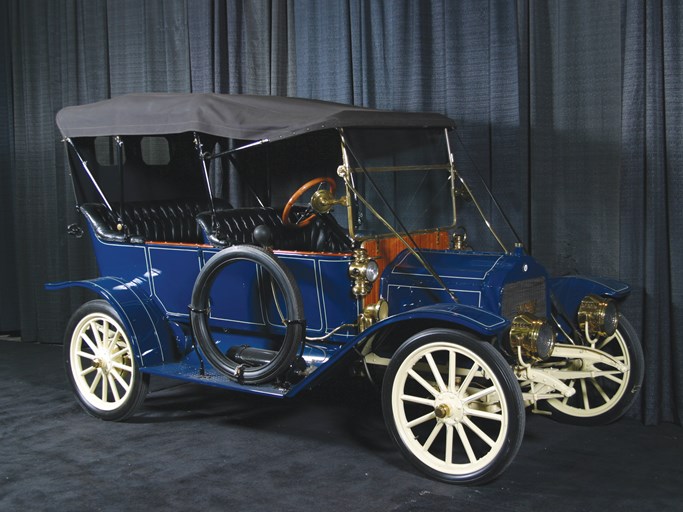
<point x="606" y="393"/>
<point x="453" y="406"/>
<point x="101" y="365"/>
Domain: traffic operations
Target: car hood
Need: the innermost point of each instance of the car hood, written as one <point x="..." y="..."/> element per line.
<point x="477" y="279"/>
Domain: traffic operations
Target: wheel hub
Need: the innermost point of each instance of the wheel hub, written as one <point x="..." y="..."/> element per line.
<point x="449" y="409"/>
<point x="103" y="363"/>
<point x="575" y="364"/>
<point x="442" y="411"/>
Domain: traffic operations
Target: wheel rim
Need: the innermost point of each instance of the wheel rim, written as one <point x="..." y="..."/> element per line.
<point x="449" y="409"/>
<point x="597" y="395"/>
<point x="101" y="360"/>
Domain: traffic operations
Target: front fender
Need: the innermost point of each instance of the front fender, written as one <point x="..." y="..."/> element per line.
<point x="142" y="319"/>
<point x="459" y="315"/>
<point x="570" y="290"/>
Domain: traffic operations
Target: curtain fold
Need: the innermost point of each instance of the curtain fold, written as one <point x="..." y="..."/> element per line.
<point x="651" y="182"/>
<point x="571" y="112"/>
<point x="9" y="285"/>
<point x="38" y="180"/>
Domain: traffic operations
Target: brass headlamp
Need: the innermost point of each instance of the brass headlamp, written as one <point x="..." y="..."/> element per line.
<point x="599" y="315"/>
<point x="533" y="335"/>
<point x="373" y="314"/>
<point x="364" y="271"/>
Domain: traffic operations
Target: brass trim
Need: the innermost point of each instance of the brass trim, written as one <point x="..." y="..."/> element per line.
<point x="592" y="316"/>
<point x="323" y="200"/>
<point x="398" y="168"/>
<point x="373" y="314"/>
<point x="525" y="331"/>
<point x="357" y="272"/>
<point x="442" y="411"/>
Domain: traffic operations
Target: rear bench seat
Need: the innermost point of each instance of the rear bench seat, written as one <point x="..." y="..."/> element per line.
<point x="159" y="221"/>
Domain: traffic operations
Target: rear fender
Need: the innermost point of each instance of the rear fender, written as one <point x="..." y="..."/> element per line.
<point x="142" y="319"/>
<point x="570" y="290"/>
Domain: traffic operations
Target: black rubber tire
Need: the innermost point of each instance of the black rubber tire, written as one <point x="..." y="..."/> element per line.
<point x="575" y="412"/>
<point x="295" y="329"/>
<point x="81" y="362"/>
<point x="400" y="410"/>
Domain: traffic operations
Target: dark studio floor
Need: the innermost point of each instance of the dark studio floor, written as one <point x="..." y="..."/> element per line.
<point x="198" y="448"/>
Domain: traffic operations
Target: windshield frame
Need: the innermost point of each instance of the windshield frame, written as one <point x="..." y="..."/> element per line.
<point x="349" y="173"/>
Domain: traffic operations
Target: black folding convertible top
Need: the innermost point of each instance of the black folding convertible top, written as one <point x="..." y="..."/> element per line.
<point x="241" y="117"/>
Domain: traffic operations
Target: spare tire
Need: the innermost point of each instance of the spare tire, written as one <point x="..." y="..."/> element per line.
<point x="293" y="315"/>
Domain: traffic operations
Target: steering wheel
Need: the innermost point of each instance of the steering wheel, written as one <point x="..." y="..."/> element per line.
<point x="304" y="221"/>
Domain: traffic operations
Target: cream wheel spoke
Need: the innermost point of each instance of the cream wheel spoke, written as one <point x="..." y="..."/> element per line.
<point x="468" y="379"/>
<point x="599" y="389"/>
<point x="435" y="432"/>
<point x="113" y="387"/>
<point x="584" y="394"/>
<point x="435" y="371"/>
<point x="417" y="400"/>
<point x="449" y="445"/>
<point x="124" y="384"/>
<point x="480" y="433"/>
<point x="118" y="354"/>
<point x="479" y="394"/>
<point x="613" y="378"/>
<point x="566" y="398"/>
<point x="605" y="342"/>
<point x="465" y="442"/>
<point x="84" y="337"/>
<point x="86" y="355"/>
<point x="121" y="366"/>
<point x="106" y="335"/>
<point x="97" y="334"/>
<point x="104" y="395"/>
<point x="423" y="383"/>
<point x="485" y="414"/>
<point x="87" y="371"/>
<point x="452" y="371"/>
<point x="421" y="419"/>
<point x="96" y="380"/>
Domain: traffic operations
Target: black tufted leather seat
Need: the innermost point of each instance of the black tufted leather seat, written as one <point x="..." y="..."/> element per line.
<point x="236" y="226"/>
<point x="159" y="221"/>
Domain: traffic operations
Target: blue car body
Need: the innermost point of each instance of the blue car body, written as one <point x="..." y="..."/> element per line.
<point x="150" y="286"/>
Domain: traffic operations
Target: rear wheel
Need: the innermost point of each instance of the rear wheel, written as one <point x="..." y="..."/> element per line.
<point x="101" y="365"/>
<point x="453" y="406"/>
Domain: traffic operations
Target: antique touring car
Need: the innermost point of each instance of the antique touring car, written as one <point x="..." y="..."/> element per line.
<point x="384" y="258"/>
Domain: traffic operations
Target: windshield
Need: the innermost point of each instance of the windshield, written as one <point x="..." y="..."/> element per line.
<point x="404" y="175"/>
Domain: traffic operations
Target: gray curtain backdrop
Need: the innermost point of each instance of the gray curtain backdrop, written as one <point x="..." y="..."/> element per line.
<point x="9" y="287"/>
<point x="571" y="111"/>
